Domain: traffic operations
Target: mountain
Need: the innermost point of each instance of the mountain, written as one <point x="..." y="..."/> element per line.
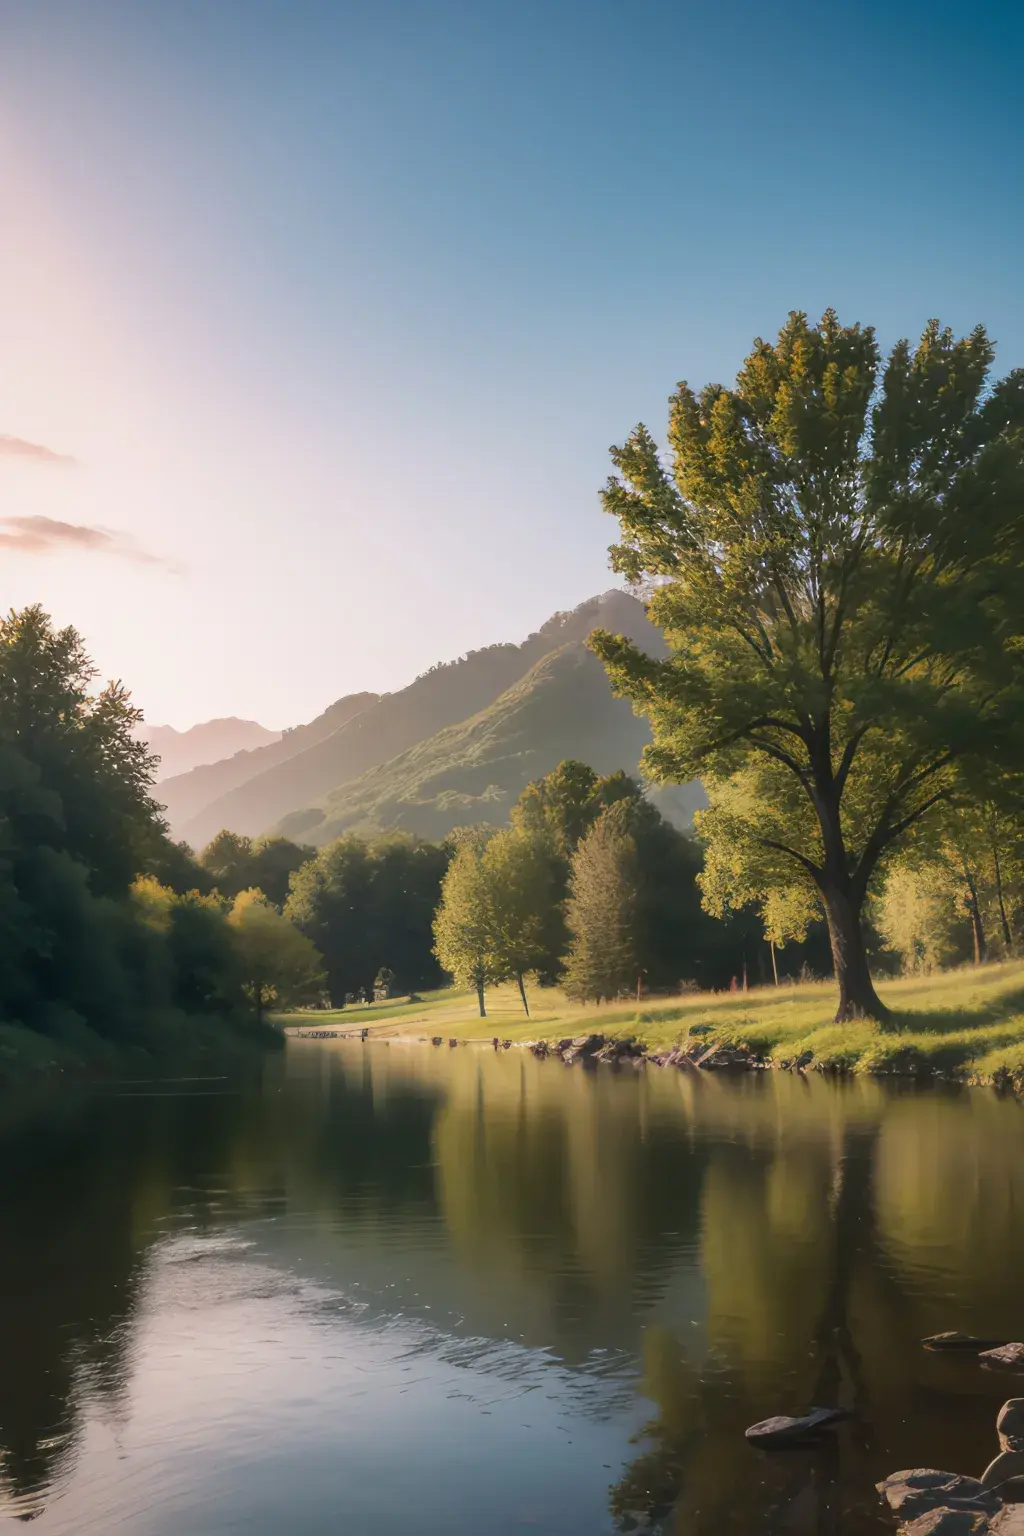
<point x="180" y="751"/>
<point x="473" y="771"/>
<point x="255" y="793"/>
<point x="185" y="796"/>
<point x="304" y="785"/>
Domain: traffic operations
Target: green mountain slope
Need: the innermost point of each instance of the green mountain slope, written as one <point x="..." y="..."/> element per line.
<point x="394" y="724"/>
<point x="473" y="771"/>
<point x="185" y="794"/>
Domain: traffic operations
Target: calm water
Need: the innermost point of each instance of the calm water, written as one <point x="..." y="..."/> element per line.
<point x="388" y="1290"/>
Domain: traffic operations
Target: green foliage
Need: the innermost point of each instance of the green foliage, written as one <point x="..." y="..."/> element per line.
<point x="920" y="915"/>
<point x="520" y="878"/>
<point x="601" y="914"/>
<point x="370" y="905"/>
<point x="462" y="922"/>
<point x="235" y="863"/>
<point x="277" y="962"/>
<point x="85" y="955"/>
<point x="838" y="572"/>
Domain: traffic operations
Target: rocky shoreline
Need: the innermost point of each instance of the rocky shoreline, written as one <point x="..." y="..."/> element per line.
<point x="931" y="1502"/>
<point x="700" y="1054"/>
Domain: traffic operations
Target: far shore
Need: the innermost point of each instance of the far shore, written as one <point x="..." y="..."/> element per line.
<point x="965" y="1025"/>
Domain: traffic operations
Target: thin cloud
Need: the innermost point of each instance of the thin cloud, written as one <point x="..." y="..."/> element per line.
<point x="36" y="453"/>
<point x="46" y="536"/>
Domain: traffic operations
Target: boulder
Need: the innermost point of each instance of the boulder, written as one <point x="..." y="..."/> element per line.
<point x="540" y="1049"/>
<point x="437" y="1040"/>
<point x="920" y="1490"/>
<point x="717" y="1057"/>
<point x="1009" y="1521"/>
<point x="582" y="1048"/>
<point x="783" y="1430"/>
<point x="1007" y="1466"/>
<point x="1010" y="1424"/>
<point x="619" y="1050"/>
<point x="964" y="1341"/>
<point x="947" y="1522"/>
<point x="1006" y="1357"/>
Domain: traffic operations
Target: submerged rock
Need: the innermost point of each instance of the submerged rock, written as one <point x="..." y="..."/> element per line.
<point x="783" y="1430"/>
<point x="1010" y="1424"/>
<point x="964" y="1341"/>
<point x="1005" y="1357"/>
<point x="947" y="1522"/>
<point x="919" y="1490"/>
<point x="1007" y="1467"/>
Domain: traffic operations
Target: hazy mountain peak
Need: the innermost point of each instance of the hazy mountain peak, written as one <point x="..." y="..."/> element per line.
<point x="208" y="742"/>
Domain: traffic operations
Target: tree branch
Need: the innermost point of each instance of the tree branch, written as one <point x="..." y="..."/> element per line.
<point x="808" y="864"/>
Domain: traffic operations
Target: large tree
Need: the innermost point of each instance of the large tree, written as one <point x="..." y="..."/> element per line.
<point x="521" y="900"/>
<point x="836" y="557"/>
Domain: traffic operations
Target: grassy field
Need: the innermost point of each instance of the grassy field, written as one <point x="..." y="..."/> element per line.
<point x="967" y="1023"/>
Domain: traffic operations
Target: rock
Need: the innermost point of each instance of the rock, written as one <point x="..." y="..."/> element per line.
<point x="947" y="1522"/>
<point x="437" y="1040"/>
<point x="1007" y="1465"/>
<point x="1006" y="1357"/>
<point x="964" y="1341"/>
<point x="453" y="1042"/>
<point x="582" y="1048"/>
<point x="782" y="1430"/>
<point x="506" y="1045"/>
<point x="619" y="1050"/>
<point x="1009" y="1521"/>
<point x="540" y="1049"/>
<point x="1010" y="1424"/>
<point x="717" y="1057"/>
<point x="922" y="1489"/>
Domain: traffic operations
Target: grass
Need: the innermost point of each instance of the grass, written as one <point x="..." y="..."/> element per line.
<point x="967" y="1023"/>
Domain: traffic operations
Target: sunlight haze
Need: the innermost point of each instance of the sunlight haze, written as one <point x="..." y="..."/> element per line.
<point x="337" y="307"/>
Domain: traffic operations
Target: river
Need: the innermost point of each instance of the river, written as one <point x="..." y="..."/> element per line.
<point x="405" y="1292"/>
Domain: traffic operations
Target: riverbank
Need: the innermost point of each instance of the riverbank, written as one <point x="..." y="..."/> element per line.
<point x="172" y="1043"/>
<point x="966" y="1025"/>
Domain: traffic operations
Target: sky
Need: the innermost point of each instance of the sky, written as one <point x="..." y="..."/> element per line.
<point x="318" y="317"/>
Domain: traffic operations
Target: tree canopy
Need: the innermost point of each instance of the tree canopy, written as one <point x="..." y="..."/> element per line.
<point x="836" y="558"/>
<point x="370" y="906"/>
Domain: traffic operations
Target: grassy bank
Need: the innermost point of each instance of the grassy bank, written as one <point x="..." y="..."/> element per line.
<point x="967" y="1023"/>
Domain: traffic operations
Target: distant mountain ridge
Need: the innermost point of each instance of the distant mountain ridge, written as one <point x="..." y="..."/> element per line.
<point x="185" y="797"/>
<point x="181" y="751"/>
<point x="474" y="771"/>
<point x="455" y="746"/>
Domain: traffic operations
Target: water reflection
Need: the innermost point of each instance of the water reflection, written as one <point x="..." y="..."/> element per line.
<point x="472" y="1281"/>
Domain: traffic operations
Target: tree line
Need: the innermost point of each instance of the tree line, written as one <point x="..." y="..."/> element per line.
<point x="111" y="935"/>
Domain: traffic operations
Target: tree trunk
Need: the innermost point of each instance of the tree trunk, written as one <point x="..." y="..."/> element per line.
<point x="977" y="929"/>
<point x="480" y="999"/>
<point x="857" y="996"/>
<point x="1007" y="935"/>
<point x="775" y="967"/>
<point x="522" y="994"/>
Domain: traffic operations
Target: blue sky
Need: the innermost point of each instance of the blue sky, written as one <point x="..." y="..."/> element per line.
<point x="339" y="306"/>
